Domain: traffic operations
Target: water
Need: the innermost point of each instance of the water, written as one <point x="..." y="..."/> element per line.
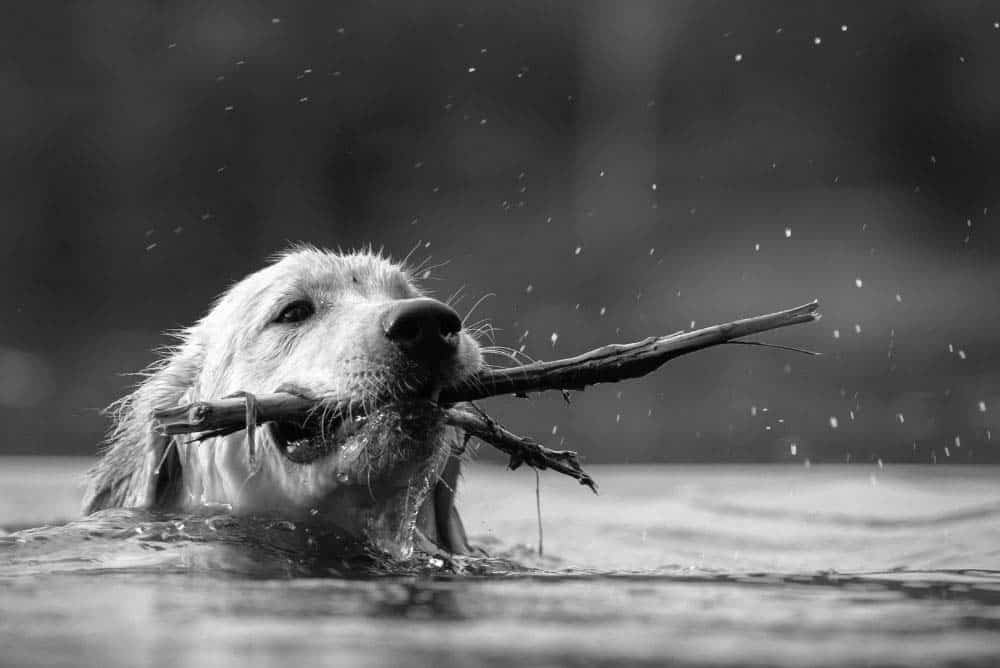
<point x="688" y="565"/>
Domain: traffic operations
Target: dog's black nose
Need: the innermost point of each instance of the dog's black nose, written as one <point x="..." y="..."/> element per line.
<point x="423" y="328"/>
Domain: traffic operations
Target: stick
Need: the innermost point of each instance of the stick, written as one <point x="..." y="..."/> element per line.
<point x="521" y="450"/>
<point x="608" y="364"/>
<point x="616" y="362"/>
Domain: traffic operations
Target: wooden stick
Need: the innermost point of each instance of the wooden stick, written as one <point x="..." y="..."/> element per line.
<point x="608" y="364"/>
<point x="521" y="450"/>
<point x="616" y="362"/>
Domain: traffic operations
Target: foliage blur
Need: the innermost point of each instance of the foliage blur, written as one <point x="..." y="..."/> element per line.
<point x="604" y="170"/>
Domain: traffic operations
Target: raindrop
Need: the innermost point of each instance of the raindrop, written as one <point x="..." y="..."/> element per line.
<point x="982" y="406"/>
<point x="738" y="57"/>
<point x="899" y="298"/>
<point x="899" y="416"/>
<point x="555" y="429"/>
<point x="276" y="20"/>
<point x="471" y="70"/>
<point x="958" y="441"/>
<point x="603" y="311"/>
<point x="653" y="186"/>
<point x="836" y="333"/>
<point x="817" y="40"/>
<point x="756" y="248"/>
<point x="794" y="449"/>
<point x="578" y="249"/>
<point x="788" y="233"/>
<point x="528" y="290"/>
<point x="834" y="422"/>
<point x="843" y="28"/>
<point x="961" y="354"/>
<point x="554" y="338"/>
<point x="857" y="328"/>
<point x="859" y="283"/>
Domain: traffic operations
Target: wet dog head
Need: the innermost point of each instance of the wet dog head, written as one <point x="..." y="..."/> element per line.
<point x="325" y="325"/>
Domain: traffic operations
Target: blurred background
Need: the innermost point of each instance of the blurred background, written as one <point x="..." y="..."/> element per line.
<point x="604" y="171"/>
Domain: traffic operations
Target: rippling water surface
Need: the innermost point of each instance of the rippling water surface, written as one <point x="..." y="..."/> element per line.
<point x="722" y="565"/>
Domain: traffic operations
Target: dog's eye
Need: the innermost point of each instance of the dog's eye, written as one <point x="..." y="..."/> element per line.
<point x="297" y="311"/>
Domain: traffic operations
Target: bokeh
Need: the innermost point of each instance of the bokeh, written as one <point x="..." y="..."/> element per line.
<point x="584" y="173"/>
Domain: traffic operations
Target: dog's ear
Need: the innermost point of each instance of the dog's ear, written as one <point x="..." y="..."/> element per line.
<point x="140" y="468"/>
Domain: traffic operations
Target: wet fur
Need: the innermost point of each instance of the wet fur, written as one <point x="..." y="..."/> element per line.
<point x="140" y="468"/>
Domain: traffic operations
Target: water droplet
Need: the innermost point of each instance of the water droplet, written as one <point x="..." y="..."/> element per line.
<point x="471" y="70"/>
<point x="603" y="311"/>
<point x="857" y="328"/>
<point x="961" y="354"/>
<point x="834" y="422"/>
<point x="788" y="233"/>
<point x="528" y="290"/>
<point x="899" y="416"/>
<point x="843" y="28"/>
<point x="836" y="333"/>
<point x="653" y="186"/>
<point x="555" y="429"/>
<point x="756" y="248"/>
<point x="794" y="449"/>
<point x="577" y="251"/>
<point x="982" y="406"/>
<point x="738" y="57"/>
<point x="554" y="338"/>
<point x="859" y="283"/>
<point x="817" y="40"/>
<point x="276" y="20"/>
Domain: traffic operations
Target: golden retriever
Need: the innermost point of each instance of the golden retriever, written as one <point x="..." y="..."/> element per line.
<point x="328" y="326"/>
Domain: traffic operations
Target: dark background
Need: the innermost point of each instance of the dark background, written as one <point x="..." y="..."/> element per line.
<point x="564" y="157"/>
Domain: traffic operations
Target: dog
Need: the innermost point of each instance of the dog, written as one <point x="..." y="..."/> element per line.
<point x="329" y="326"/>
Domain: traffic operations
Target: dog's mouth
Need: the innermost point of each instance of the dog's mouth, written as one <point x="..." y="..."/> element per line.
<point x="304" y="443"/>
<point x="323" y="435"/>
